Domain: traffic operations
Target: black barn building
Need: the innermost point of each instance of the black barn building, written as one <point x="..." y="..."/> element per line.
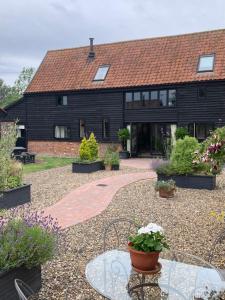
<point x="150" y="86"/>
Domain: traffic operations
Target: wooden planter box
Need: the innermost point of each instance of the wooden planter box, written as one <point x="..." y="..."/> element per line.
<point x="15" y="197"/>
<point x="192" y="181"/>
<point x="124" y="154"/>
<point x="87" y="167"/>
<point x="7" y="288"/>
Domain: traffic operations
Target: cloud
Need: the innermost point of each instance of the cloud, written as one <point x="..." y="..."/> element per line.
<point x="28" y="28"/>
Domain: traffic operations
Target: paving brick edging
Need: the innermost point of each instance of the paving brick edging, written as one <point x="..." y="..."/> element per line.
<point x="90" y="199"/>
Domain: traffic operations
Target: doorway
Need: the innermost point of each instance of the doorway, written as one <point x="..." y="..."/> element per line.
<point x="149" y="139"/>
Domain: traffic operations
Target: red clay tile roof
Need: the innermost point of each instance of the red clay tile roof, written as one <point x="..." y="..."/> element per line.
<point x="153" y="61"/>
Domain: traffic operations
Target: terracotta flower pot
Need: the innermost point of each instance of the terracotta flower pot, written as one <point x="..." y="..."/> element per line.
<point x="166" y="194"/>
<point x="143" y="261"/>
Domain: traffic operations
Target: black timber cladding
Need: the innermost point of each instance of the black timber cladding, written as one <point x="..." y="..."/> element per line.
<point x="41" y="113"/>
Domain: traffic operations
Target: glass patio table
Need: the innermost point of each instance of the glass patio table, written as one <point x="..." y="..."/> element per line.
<point x="182" y="276"/>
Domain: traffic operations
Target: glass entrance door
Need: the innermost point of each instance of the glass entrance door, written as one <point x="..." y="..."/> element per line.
<point x="150" y="139"/>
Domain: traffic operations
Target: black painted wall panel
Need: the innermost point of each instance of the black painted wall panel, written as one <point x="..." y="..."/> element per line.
<point x="40" y="112"/>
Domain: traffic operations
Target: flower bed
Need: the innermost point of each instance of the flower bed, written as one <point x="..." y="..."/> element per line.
<point x="207" y="182"/>
<point x="12" y="190"/>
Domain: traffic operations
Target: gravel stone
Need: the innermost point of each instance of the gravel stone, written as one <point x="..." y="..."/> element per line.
<point x="185" y="218"/>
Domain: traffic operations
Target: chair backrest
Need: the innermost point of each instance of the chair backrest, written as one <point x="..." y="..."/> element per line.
<point x="23" y="290"/>
<point x="218" y="241"/>
<point x="117" y="232"/>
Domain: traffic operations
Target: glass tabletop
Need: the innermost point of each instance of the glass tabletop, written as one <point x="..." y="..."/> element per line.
<point x="182" y="277"/>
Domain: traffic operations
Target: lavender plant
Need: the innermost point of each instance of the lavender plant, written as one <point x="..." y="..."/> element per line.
<point x="27" y="238"/>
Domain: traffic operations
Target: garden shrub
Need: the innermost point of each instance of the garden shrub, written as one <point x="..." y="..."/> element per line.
<point x="165" y="169"/>
<point x="183" y="155"/>
<point x="111" y="157"/>
<point x="10" y="170"/>
<point x="84" y="150"/>
<point x="93" y="146"/>
<point x="211" y="154"/>
<point x="181" y="132"/>
<point x="27" y="240"/>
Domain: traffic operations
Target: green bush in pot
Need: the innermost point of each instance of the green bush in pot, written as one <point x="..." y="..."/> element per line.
<point x="28" y="239"/>
<point x="10" y="170"/>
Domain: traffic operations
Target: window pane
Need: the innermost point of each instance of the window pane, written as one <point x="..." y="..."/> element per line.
<point x="171" y="97"/>
<point x="137" y="96"/>
<point x="82" y="128"/>
<point x="154" y="95"/>
<point x="64" y="100"/>
<point x="200" y="131"/>
<point x="62" y="132"/>
<point x="105" y="128"/>
<point x="163" y="98"/>
<point x="206" y="63"/>
<point x="145" y="96"/>
<point x="128" y="97"/>
<point x="202" y="93"/>
<point x="191" y="129"/>
<point x="57" y="132"/>
<point x="101" y="73"/>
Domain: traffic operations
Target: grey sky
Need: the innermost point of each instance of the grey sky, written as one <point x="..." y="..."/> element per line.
<point x="28" y="28"/>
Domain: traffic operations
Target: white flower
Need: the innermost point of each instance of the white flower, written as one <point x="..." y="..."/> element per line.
<point x="143" y="230"/>
<point x="150" y="228"/>
<point x="155" y="228"/>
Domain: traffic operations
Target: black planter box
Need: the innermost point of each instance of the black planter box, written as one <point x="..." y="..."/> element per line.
<point x="192" y="181"/>
<point x="87" y="167"/>
<point x="115" y="167"/>
<point x="124" y="154"/>
<point x="7" y="288"/>
<point x="15" y="197"/>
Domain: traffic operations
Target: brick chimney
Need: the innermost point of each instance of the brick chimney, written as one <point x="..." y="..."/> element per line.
<point x="91" y="54"/>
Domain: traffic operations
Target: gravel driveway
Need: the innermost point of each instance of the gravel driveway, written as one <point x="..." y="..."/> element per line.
<point x="50" y="186"/>
<point x="185" y="219"/>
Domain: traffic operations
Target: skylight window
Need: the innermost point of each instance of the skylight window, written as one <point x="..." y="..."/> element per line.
<point x="206" y="63"/>
<point x="101" y="73"/>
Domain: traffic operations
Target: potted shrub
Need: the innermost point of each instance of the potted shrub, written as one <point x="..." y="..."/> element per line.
<point x="124" y="135"/>
<point x="12" y="190"/>
<point x="145" y="248"/>
<point x="88" y="160"/>
<point x="181" y="132"/>
<point x="115" y="161"/>
<point x="111" y="160"/>
<point x="166" y="189"/>
<point x="28" y="240"/>
<point x="184" y="169"/>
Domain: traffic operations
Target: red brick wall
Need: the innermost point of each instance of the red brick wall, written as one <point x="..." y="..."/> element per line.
<point x="60" y="148"/>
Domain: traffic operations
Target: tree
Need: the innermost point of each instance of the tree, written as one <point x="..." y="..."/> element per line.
<point x="23" y="80"/>
<point x="10" y="94"/>
<point x="4" y="90"/>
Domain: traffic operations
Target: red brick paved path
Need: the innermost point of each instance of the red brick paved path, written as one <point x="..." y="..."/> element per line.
<point x="91" y="199"/>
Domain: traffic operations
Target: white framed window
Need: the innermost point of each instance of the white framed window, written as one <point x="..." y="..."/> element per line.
<point x="101" y="73"/>
<point x="62" y="100"/>
<point x="106" y="129"/>
<point x="62" y="132"/>
<point x="82" y="129"/>
<point x="206" y="63"/>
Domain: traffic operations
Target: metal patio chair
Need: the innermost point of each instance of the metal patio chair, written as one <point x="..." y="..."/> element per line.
<point x="218" y="241"/>
<point x="24" y="291"/>
<point x="114" y="229"/>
